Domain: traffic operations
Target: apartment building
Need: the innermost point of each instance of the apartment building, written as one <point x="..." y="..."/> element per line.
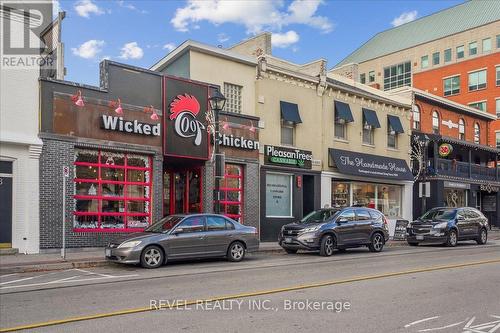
<point x="454" y="53"/>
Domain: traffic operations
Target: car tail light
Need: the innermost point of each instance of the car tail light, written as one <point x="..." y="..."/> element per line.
<point x="386" y="225"/>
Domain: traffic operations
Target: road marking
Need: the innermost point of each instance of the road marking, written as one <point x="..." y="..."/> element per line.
<point x="420" y="321"/>
<point x="247" y="295"/>
<point x="68" y="280"/>
<point x="442" y="327"/>
<point x="26" y="279"/>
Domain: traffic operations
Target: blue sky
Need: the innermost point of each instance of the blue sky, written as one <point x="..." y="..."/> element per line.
<point x="141" y="32"/>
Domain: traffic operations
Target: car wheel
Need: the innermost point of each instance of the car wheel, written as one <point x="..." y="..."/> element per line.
<point x="327" y="246"/>
<point x="452" y="239"/>
<point x="412" y="243"/>
<point x="236" y="252"/>
<point x="483" y="237"/>
<point x="377" y="243"/>
<point x="290" y="251"/>
<point x="152" y="257"/>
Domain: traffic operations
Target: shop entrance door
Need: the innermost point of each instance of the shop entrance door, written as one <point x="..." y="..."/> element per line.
<point x="182" y="192"/>
<point x="307" y="194"/>
<point x="5" y="204"/>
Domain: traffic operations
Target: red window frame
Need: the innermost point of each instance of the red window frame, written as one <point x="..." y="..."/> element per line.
<point x="125" y="198"/>
<point x="225" y="189"/>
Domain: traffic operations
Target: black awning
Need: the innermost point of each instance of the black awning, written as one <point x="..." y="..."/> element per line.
<point x="343" y="111"/>
<point x="371" y="166"/>
<point x="370" y="118"/>
<point x="395" y="124"/>
<point x="290" y="112"/>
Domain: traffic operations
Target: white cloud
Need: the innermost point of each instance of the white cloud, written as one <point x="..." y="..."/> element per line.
<point x="86" y="7"/>
<point x="89" y="49"/>
<point x="169" y="47"/>
<point x="131" y="51"/>
<point x="254" y="15"/>
<point x="285" y="39"/>
<point x="123" y="4"/>
<point x="222" y="38"/>
<point x="404" y="18"/>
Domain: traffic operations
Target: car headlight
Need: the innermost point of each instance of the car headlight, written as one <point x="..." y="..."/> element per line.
<point x="129" y="244"/>
<point x="311" y="229"/>
<point x="441" y="225"/>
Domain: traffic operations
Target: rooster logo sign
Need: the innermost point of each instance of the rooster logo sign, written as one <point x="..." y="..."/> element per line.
<point x="183" y="110"/>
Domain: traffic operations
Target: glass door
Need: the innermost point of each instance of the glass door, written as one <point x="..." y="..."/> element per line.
<point x="182" y="192"/>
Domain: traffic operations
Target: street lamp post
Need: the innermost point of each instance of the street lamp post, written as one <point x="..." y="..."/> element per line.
<point x="217" y="102"/>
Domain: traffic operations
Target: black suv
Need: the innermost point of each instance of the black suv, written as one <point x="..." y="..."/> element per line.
<point x="329" y="229"/>
<point x="448" y="226"/>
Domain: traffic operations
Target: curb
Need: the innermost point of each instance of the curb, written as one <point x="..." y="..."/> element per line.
<point x="98" y="262"/>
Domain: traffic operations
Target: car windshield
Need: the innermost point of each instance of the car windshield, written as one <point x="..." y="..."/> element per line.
<point x="439" y="214"/>
<point x="318" y="216"/>
<point x="164" y="224"/>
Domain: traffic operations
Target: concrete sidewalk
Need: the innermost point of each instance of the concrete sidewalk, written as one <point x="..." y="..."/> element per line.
<point x="94" y="257"/>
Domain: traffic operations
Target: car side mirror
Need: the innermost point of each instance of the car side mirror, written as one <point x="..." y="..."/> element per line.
<point x="342" y="220"/>
<point x="178" y="231"/>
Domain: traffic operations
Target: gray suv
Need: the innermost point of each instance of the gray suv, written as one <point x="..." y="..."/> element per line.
<point x="329" y="229"/>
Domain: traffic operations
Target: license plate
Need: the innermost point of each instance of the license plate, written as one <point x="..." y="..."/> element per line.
<point x="288" y="240"/>
<point x="420" y="237"/>
<point x="107" y="252"/>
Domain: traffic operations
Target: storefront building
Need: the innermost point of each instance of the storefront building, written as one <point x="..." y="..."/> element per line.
<point x="366" y="153"/>
<point x="295" y="107"/>
<point x="453" y="165"/>
<point x="136" y="149"/>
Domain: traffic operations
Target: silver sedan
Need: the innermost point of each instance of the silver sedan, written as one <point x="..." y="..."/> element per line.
<point x="183" y="237"/>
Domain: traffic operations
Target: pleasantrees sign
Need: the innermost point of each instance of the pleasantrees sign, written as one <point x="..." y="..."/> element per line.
<point x="295" y="158"/>
<point x="114" y="123"/>
<point x="185" y="127"/>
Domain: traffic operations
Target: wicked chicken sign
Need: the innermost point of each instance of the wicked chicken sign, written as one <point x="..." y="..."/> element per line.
<point x="185" y="127"/>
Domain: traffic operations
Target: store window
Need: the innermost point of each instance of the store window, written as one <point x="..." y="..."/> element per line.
<point x="435" y="58"/>
<point x="278" y="195"/>
<point x="340" y="194"/>
<point x="447" y="55"/>
<point x="486" y="45"/>
<point x="416" y="117"/>
<point x="497" y="137"/>
<point x="362" y="78"/>
<point x="460" y="52"/>
<point x="473" y="48"/>
<point x="477" y="80"/>
<point x="451" y="86"/>
<point x="435" y="122"/>
<point x="287" y="131"/>
<point x="424" y="61"/>
<point x="497" y="76"/>
<point x="340" y="130"/>
<point x="389" y="200"/>
<point x="497" y="107"/>
<point x="477" y="133"/>
<point x="112" y="191"/>
<point x="498" y="41"/>
<point x="455" y="198"/>
<point x="461" y="129"/>
<point x="232" y="192"/>
<point x="386" y="198"/>
<point x="397" y="76"/>
<point x="232" y="92"/>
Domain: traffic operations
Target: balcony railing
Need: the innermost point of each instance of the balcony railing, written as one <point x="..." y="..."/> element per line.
<point x="461" y="169"/>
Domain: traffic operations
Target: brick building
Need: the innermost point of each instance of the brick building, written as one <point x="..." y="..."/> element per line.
<point x="453" y="53"/>
<point x="459" y="168"/>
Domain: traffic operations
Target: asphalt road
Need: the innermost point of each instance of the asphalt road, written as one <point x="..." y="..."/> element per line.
<point x="423" y="289"/>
